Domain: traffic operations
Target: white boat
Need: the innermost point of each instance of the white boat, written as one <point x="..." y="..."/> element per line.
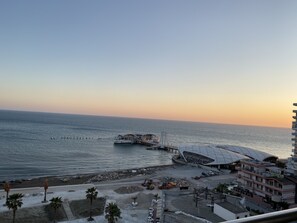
<point x="151" y="138"/>
<point x="123" y="141"/>
<point x="126" y="139"/>
<point x="146" y="139"/>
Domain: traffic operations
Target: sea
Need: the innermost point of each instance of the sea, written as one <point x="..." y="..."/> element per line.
<point x="36" y="144"/>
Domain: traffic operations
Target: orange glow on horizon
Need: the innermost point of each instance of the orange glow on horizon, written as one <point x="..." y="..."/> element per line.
<point x="211" y="110"/>
<point x="255" y="117"/>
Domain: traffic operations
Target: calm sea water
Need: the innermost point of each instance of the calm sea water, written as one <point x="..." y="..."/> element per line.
<point x="27" y="149"/>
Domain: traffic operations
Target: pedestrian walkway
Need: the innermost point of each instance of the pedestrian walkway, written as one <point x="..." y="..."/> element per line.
<point x="68" y="211"/>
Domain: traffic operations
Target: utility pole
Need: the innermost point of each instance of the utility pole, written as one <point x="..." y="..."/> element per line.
<point x="212" y="203"/>
<point x="206" y="192"/>
<point x="163" y="139"/>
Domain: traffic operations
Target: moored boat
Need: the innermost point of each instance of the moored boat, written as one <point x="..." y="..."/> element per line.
<point x="124" y="139"/>
<point x="146" y="139"/>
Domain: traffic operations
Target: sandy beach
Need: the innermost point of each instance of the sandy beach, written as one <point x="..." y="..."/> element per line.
<point x="86" y="178"/>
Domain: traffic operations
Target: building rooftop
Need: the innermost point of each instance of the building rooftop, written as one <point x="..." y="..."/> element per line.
<point x="235" y="208"/>
<point x="223" y="154"/>
<point x="218" y="156"/>
<point x="274" y="169"/>
<point x="249" y="152"/>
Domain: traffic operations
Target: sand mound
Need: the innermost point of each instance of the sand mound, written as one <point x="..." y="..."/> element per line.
<point x="128" y="190"/>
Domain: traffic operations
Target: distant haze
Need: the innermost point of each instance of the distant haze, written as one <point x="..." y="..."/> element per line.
<point x="209" y="61"/>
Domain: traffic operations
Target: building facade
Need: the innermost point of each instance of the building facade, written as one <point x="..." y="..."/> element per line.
<point x="267" y="180"/>
<point x="294" y="133"/>
<point x="292" y="161"/>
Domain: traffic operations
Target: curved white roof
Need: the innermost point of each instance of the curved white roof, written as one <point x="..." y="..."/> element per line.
<point x="252" y="153"/>
<point x="219" y="155"/>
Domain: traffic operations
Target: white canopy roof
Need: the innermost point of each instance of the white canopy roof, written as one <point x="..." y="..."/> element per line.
<point x="219" y="155"/>
<point x="252" y="153"/>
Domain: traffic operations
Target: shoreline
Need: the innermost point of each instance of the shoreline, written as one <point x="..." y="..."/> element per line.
<point x="85" y="178"/>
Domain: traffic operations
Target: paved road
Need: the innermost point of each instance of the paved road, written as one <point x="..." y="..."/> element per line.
<point x="34" y="190"/>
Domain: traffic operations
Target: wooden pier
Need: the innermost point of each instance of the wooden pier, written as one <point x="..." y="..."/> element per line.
<point x="172" y="149"/>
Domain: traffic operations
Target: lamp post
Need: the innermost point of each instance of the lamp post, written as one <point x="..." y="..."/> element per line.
<point x="45" y="186"/>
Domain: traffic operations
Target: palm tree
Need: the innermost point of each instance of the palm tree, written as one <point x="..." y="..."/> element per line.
<point x="222" y="188"/>
<point x="91" y="194"/>
<point x="6" y="188"/>
<point x="112" y="213"/>
<point x="14" y="202"/>
<point x="45" y="186"/>
<point x="56" y="203"/>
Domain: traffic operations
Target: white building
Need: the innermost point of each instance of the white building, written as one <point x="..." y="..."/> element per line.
<point x="229" y="211"/>
<point x="292" y="162"/>
<point x="220" y="155"/>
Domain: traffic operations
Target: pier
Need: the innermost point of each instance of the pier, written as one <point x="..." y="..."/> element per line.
<point x="172" y="149"/>
<point x="73" y="138"/>
<point x="164" y="145"/>
<point x="151" y="141"/>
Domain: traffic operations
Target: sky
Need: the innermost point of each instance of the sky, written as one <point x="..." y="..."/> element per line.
<point x="207" y="61"/>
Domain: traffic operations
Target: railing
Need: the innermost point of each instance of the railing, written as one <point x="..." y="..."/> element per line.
<point x="285" y="216"/>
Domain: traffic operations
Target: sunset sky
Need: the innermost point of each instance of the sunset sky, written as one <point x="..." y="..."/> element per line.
<point x="207" y="61"/>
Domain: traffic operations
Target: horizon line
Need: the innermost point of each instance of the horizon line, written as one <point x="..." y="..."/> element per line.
<point x="144" y="118"/>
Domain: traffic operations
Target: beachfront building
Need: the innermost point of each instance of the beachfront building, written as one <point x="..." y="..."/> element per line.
<point x="292" y="161"/>
<point x="268" y="181"/>
<point x="220" y="156"/>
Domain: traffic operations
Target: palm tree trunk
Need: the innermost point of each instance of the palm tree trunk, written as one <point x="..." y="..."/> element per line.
<point x="55" y="215"/>
<point x="6" y="196"/>
<point x="91" y="208"/>
<point x="13" y="217"/>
